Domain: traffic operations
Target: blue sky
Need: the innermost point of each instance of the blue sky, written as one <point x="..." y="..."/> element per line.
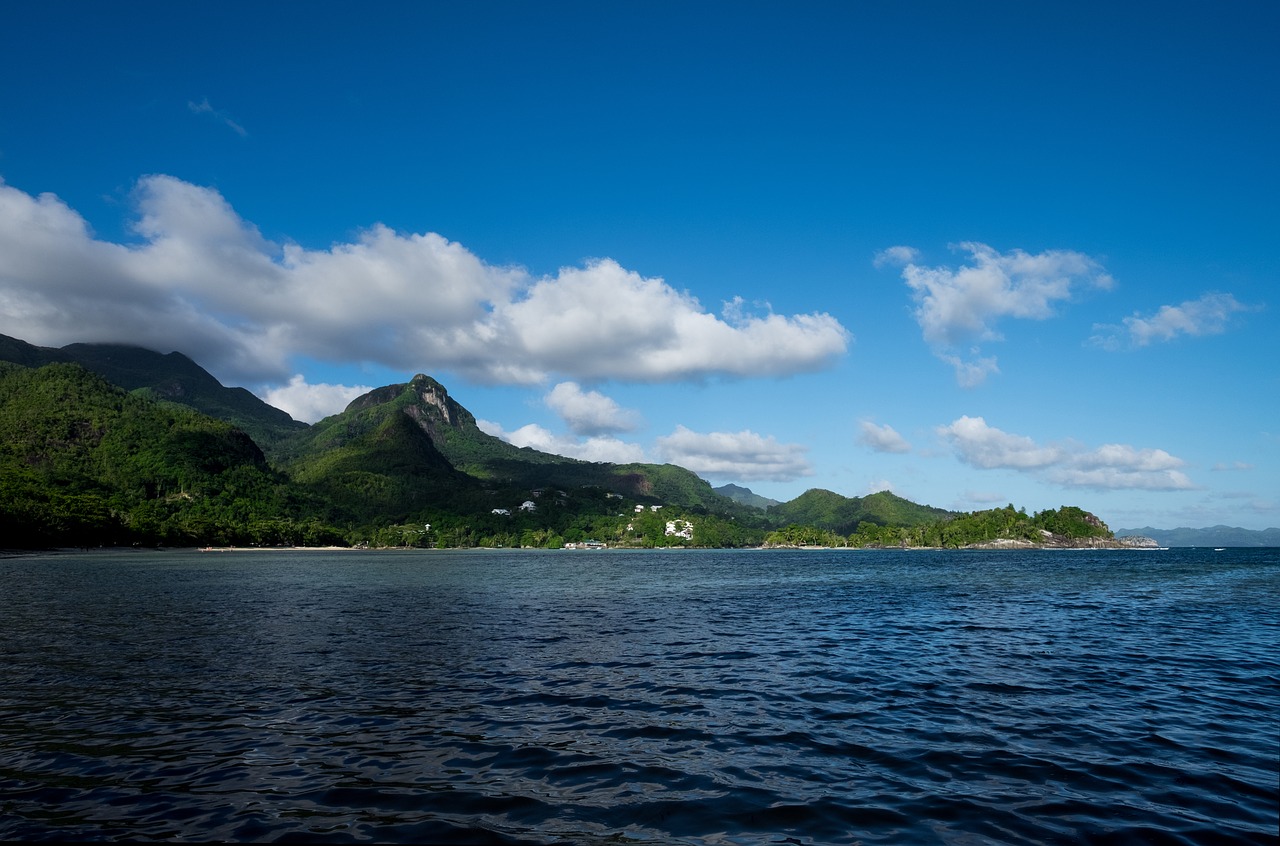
<point x="972" y="253"/>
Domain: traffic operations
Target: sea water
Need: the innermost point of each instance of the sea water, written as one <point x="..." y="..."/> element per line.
<point x="735" y="697"/>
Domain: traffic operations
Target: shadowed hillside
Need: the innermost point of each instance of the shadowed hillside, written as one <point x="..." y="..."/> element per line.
<point x="171" y="376"/>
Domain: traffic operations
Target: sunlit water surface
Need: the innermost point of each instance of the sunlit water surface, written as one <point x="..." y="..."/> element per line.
<point x="641" y="697"/>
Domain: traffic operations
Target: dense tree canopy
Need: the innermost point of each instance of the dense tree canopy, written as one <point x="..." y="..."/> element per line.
<point x="84" y="462"/>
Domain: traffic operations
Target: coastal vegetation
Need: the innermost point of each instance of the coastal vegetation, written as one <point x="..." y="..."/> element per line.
<point x="108" y="445"/>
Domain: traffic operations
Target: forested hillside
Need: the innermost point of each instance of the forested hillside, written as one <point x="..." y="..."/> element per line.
<point x="170" y="376"/>
<point x="82" y="463"/>
<point x="843" y="515"/>
<point x="85" y="460"/>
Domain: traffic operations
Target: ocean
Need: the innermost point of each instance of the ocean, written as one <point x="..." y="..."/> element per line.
<point x="642" y="697"/>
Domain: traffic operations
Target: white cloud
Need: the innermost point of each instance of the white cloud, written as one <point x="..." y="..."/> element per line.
<point x="203" y="108"/>
<point x="877" y="485"/>
<point x="881" y="438"/>
<point x="310" y="403"/>
<point x="204" y="281"/>
<point x="959" y="306"/>
<point x="1232" y="465"/>
<point x="602" y="321"/>
<point x="740" y="456"/>
<point x="897" y="256"/>
<point x="971" y="373"/>
<point x="1208" y="315"/>
<point x="1108" y="467"/>
<point x="985" y="446"/>
<point x="490" y="428"/>
<point x="590" y="412"/>
<point x="601" y="448"/>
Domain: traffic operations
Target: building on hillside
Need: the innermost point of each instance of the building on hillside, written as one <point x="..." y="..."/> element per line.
<point x="680" y="529"/>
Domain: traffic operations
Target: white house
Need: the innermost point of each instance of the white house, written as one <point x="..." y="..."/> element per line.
<point x="680" y="529"/>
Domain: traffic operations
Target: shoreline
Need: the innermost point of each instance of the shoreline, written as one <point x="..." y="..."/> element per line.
<point x="1137" y="544"/>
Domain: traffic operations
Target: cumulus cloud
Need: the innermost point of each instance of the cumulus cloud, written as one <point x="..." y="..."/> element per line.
<point x="602" y="321"/>
<point x="740" y="456"/>
<point x="1108" y="467"/>
<point x="590" y="412"/>
<point x="881" y="438"/>
<point x="1208" y="315"/>
<point x="600" y="448"/>
<point x="957" y="307"/>
<point x="202" y="280"/>
<point x="310" y="403"/>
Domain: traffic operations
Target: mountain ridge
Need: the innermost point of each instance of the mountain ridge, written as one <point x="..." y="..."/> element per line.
<point x="1213" y="536"/>
<point x="172" y="377"/>
<point x="841" y="514"/>
<point x="402" y="449"/>
<point x="746" y="496"/>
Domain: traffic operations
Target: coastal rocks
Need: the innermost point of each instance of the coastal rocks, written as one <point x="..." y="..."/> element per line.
<point x="1052" y="541"/>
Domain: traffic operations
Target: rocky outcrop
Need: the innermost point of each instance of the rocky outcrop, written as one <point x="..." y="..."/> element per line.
<point x="1052" y="541"/>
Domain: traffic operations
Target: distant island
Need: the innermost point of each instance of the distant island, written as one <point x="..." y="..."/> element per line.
<point x="116" y="445"/>
<point x="1068" y="527"/>
<point x="1213" y="536"/>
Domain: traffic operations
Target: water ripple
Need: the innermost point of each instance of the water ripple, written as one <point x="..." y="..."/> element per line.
<point x="718" y="698"/>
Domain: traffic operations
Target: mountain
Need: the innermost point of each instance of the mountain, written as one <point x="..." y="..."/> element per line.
<point x="373" y="460"/>
<point x="1211" y="536"/>
<point x="114" y="444"/>
<point x="82" y="462"/>
<point x="746" y="496"/>
<point x="172" y="377"/>
<point x="402" y="447"/>
<point x="833" y="512"/>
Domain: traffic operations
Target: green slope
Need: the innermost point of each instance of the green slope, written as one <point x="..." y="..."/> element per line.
<point x="375" y="463"/>
<point x="746" y="496"/>
<point x="172" y="377"/>
<point x="395" y="454"/>
<point x="82" y="462"/>
<point x="840" y="514"/>
<point x="449" y="444"/>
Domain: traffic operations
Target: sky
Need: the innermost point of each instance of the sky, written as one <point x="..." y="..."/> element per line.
<point x="972" y="253"/>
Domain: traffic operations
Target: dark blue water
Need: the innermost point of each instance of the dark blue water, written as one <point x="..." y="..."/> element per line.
<point x="650" y="697"/>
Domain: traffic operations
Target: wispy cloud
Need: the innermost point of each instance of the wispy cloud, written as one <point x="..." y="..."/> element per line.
<point x="959" y="308"/>
<point x="881" y="438"/>
<point x="735" y="456"/>
<point x="1108" y="467"/>
<point x="203" y="108"/>
<point x="896" y="256"/>
<point x="983" y="497"/>
<point x="1208" y="315"/>
<point x="203" y="280"/>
